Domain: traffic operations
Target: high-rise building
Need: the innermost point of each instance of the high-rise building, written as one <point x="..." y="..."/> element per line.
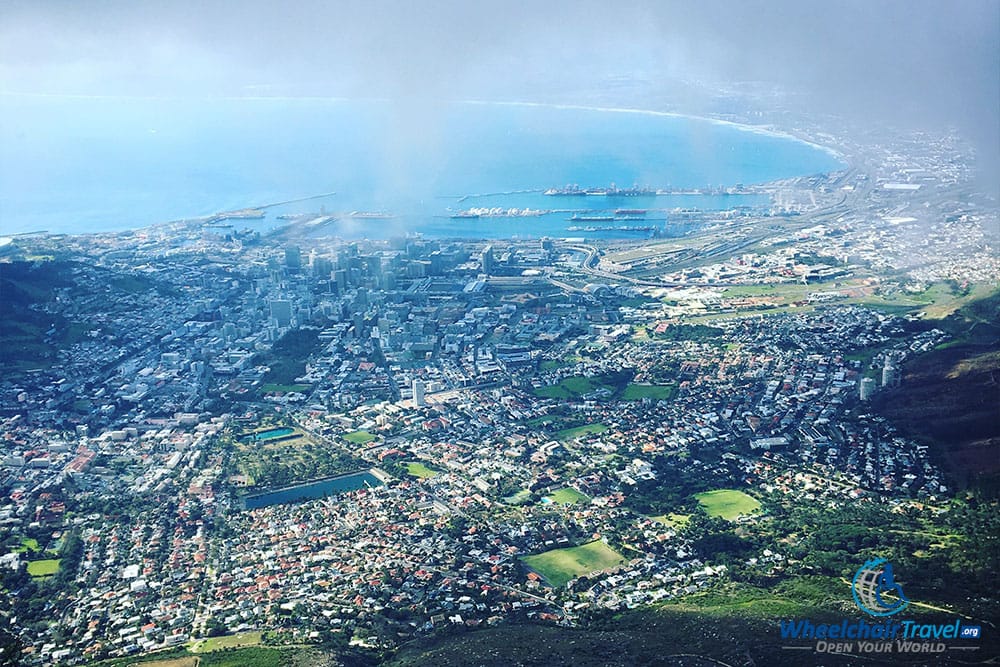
<point x="281" y="311"/>
<point x="867" y="388"/>
<point x="340" y="277"/>
<point x="293" y="257"/>
<point x="418" y="393"/>
<point x="322" y="267"/>
<point x="373" y="265"/>
<point x="437" y="263"/>
<point x="890" y="375"/>
<point x="486" y="260"/>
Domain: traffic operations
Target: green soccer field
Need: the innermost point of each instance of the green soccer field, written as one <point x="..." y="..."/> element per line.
<point x="560" y="565"/>
<point x="568" y="496"/>
<point x="727" y="503"/>
<point x="43" y="568"/>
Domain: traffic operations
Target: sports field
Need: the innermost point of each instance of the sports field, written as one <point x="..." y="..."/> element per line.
<point x="419" y="470"/>
<point x="359" y="437"/>
<point x="727" y="503"/>
<point x="560" y="565"/>
<point x="568" y="496"/>
<point x="43" y="568"/>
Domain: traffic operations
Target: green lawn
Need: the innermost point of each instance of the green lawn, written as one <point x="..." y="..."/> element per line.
<point x="419" y="470"/>
<point x="229" y="641"/>
<point x="359" y="437"/>
<point x="519" y="498"/>
<point x="43" y="568"/>
<point x="727" y="503"/>
<point x="253" y="656"/>
<point x="568" y="496"/>
<point x="560" y="565"/>
<point x="635" y="392"/>
<point x="28" y="544"/>
<point x="571" y="387"/>
<point x="284" y="388"/>
<point x="672" y="519"/>
<point x="588" y="429"/>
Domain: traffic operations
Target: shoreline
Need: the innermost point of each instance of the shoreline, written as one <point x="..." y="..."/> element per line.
<point x="743" y="127"/>
<point x="770" y="132"/>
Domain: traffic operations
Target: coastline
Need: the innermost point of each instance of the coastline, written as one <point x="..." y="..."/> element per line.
<point x="744" y="127"/>
<point x="119" y="227"/>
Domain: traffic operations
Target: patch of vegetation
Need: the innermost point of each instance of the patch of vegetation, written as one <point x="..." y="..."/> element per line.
<point x="229" y="641"/>
<point x="419" y="470"/>
<point x="577" y="431"/>
<point x="520" y="498"/>
<point x="284" y="388"/>
<point x="29" y="337"/>
<point x="544" y="420"/>
<point x="28" y="544"/>
<point x="543" y="645"/>
<point x="672" y="519"/>
<point x="569" y="496"/>
<point x="285" y="459"/>
<point x="175" y="657"/>
<point x="358" y="437"/>
<point x="948" y="397"/>
<point x="132" y="284"/>
<point x="187" y="661"/>
<point x="43" y="568"/>
<point x="737" y="627"/>
<point x="578" y="385"/>
<point x="257" y="656"/>
<point x="288" y="356"/>
<point x="558" y="566"/>
<point x="671" y="491"/>
<point x="636" y="392"/>
<point x="693" y="332"/>
<point x="727" y="503"/>
<point x="571" y="387"/>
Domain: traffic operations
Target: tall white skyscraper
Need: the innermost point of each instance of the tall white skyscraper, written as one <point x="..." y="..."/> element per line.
<point x="418" y="393"/>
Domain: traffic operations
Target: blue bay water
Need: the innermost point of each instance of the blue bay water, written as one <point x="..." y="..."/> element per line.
<point x="80" y="165"/>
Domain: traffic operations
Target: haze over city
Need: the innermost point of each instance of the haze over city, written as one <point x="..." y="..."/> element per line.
<point x="901" y="62"/>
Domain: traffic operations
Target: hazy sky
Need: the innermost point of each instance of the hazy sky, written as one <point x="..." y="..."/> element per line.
<point x="905" y="61"/>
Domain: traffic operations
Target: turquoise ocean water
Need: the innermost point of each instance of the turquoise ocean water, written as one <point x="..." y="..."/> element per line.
<point x="77" y="165"/>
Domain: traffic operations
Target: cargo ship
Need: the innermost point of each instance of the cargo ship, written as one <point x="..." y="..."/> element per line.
<point x="592" y="218"/>
<point x="498" y="212"/>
